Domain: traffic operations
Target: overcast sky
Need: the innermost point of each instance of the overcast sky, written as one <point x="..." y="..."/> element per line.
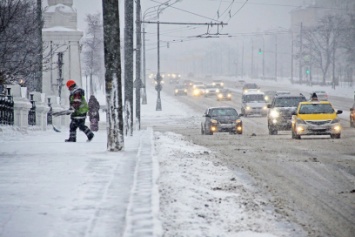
<point x="254" y="15"/>
<point x="240" y="16"/>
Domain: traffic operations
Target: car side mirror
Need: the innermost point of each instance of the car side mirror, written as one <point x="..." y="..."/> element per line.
<point x="294" y="113"/>
<point x="339" y="111"/>
<point x="268" y="106"/>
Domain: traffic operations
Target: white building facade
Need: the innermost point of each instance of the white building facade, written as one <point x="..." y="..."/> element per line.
<point x="61" y="49"/>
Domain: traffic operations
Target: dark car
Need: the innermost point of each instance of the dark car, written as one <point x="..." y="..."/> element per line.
<point x="224" y="94"/>
<point x="248" y="86"/>
<point x="180" y="90"/>
<point x="221" y="119"/>
<point x="280" y="112"/>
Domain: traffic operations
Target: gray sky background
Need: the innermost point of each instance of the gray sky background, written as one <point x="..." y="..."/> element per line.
<point x="253" y="16"/>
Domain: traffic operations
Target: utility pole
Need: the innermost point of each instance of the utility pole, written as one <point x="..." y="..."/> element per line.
<point x="144" y="96"/>
<point x="252" y="58"/>
<point x="128" y="59"/>
<point x="275" y="56"/>
<point x="243" y="59"/>
<point x="263" y="52"/>
<point x="333" y="65"/>
<point x="300" y="56"/>
<point x="138" y="64"/>
<point x="158" y="87"/>
<point x="291" y="57"/>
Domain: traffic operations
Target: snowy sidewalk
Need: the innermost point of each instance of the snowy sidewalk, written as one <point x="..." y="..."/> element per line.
<point x="52" y="188"/>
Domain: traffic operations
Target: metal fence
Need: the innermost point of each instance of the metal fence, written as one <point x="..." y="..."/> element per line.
<point x="6" y="108"/>
<point x="32" y="113"/>
<point x="49" y="114"/>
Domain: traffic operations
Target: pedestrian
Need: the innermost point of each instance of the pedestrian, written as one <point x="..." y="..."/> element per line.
<point x="314" y="97"/>
<point x="94" y="117"/>
<point x="78" y="103"/>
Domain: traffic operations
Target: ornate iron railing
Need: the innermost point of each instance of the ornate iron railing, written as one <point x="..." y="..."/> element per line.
<point x="6" y="108"/>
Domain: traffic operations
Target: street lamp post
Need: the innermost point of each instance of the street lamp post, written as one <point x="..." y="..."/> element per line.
<point x="158" y="86"/>
<point x="158" y="77"/>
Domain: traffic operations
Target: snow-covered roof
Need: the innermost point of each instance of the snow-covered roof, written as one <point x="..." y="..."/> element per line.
<point x="60" y="8"/>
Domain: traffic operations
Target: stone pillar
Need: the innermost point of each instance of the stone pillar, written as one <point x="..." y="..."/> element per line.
<point x="41" y="110"/>
<point x="21" y="106"/>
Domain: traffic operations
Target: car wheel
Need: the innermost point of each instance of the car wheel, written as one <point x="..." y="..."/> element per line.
<point x="336" y="136"/>
<point x="272" y="131"/>
<point x="295" y="136"/>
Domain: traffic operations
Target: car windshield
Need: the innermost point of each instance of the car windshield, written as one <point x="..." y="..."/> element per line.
<point x="253" y="97"/>
<point x="288" y="101"/>
<point x="223" y="112"/>
<point x="251" y="86"/>
<point x="316" y="109"/>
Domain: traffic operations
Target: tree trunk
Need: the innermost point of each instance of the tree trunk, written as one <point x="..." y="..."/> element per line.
<point x="113" y="80"/>
<point x="128" y="56"/>
<point x="39" y="56"/>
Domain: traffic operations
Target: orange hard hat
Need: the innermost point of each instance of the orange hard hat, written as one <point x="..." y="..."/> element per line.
<point x="70" y="83"/>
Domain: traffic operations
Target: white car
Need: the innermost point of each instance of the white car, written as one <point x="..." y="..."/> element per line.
<point x="253" y="103"/>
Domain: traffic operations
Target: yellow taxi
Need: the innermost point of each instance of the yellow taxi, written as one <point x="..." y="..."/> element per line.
<point x="316" y="118"/>
<point x="352" y="116"/>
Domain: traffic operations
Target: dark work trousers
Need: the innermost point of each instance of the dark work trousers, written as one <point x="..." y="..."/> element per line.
<point x="78" y="123"/>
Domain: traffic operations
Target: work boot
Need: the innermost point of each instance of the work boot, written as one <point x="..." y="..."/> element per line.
<point x="90" y="136"/>
<point x="70" y="140"/>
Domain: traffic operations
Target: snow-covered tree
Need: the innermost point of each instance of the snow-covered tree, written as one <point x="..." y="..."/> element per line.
<point x="113" y="79"/>
<point x="348" y="39"/>
<point x="320" y="43"/>
<point x="93" y="51"/>
<point x="19" y="46"/>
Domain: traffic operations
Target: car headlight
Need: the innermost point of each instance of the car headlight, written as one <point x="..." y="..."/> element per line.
<point x="336" y="121"/>
<point x="229" y="95"/>
<point x="176" y="91"/>
<point x="207" y="91"/>
<point x="217" y="90"/>
<point x="220" y="95"/>
<point x="185" y="90"/>
<point x="238" y="121"/>
<point x="214" y="121"/>
<point x="265" y="107"/>
<point x="213" y="84"/>
<point x="337" y="128"/>
<point x="274" y="114"/>
<point x="266" y="98"/>
<point x="222" y="84"/>
<point x="248" y="108"/>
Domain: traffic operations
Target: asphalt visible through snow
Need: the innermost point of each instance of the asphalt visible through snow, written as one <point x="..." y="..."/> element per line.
<point x="310" y="181"/>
